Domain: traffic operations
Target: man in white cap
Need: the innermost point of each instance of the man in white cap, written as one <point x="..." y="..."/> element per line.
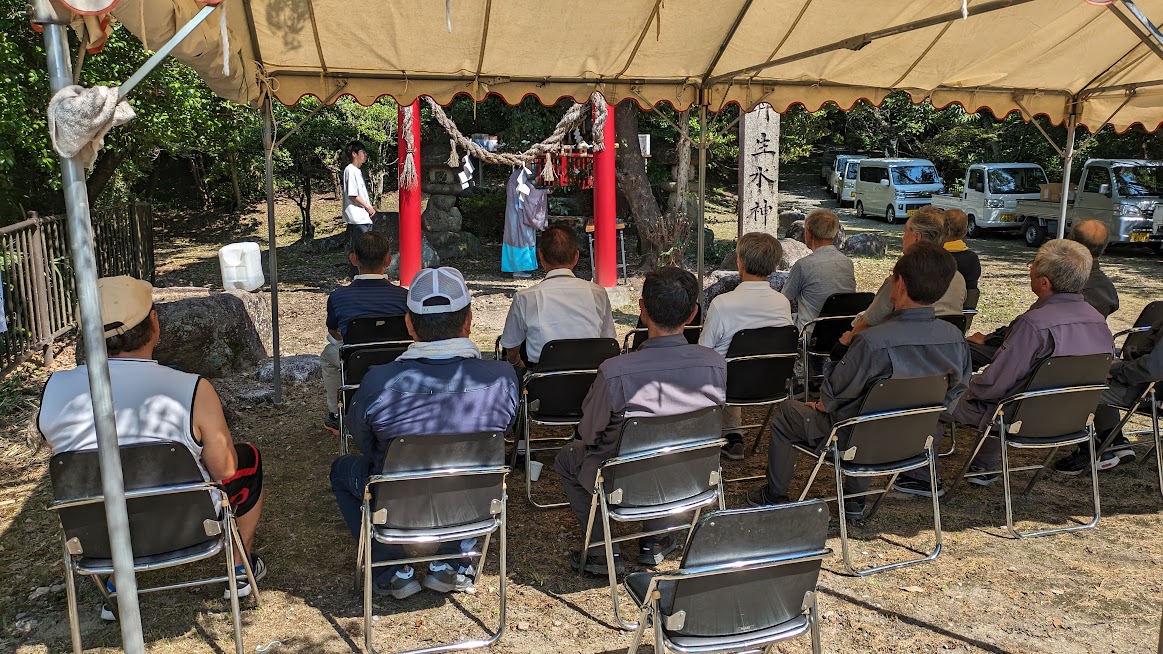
<point x="154" y="403"/>
<point x="440" y="385"/>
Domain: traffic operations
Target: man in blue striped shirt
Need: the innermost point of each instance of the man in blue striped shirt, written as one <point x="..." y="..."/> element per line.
<point x="370" y="294"/>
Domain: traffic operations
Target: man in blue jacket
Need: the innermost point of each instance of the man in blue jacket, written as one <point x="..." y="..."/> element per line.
<point x="439" y="385"/>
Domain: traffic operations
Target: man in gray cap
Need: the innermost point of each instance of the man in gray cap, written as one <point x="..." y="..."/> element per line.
<point x="440" y="385"/>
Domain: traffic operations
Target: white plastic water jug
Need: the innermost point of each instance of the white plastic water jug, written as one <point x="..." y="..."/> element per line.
<point x="241" y="265"/>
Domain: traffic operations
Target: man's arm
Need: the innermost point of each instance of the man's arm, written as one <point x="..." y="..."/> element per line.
<point x="876" y="313"/>
<point x="1145" y="369"/>
<point x="515" y="330"/>
<point x="848" y="380"/>
<point x="713" y="329"/>
<point x="1012" y="363"/>
<point x="357" y="424"/>
<point x="596" y="411"/>
<point x="795" y="283"/>
<point x="218" y="455"/>
<point x="608" y="328"/>
<point x="352" y="190"/>
<point x="332" y="321"/>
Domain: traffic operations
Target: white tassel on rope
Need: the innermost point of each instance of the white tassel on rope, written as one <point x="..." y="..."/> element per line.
<point x="547" y="174"/>
<point x="964" y="9"/>
<point x="408" y="172"/>
<point x="225" y="41"/>
<point x="453" y="160"/>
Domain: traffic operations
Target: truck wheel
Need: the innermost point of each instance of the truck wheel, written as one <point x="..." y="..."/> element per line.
<point x="890" y="216"/>
<point x="1033" y="233"/>
<point x="859" y="209"/>
<point x="974" y="231"/>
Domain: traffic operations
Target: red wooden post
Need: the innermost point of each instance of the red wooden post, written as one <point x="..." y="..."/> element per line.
<point x="410" y="235"/>
<point x="605" y="208"/>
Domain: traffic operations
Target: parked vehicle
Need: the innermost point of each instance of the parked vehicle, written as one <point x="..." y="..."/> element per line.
<point x="1122" y="193"/>
<point x="991" y="194"/>
<point x="895" y="188"/>
<point x="846" y="184"/>
<point x="829" y="164"/>
<point x="839" y="170"/>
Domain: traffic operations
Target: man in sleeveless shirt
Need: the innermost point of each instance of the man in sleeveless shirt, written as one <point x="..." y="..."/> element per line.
<point x="152" y="404"/>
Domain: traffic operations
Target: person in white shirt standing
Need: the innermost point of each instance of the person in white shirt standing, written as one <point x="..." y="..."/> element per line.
<point x="560" y="306"/>
<point x="357" y="208"/>
<point x="753" y="304"/>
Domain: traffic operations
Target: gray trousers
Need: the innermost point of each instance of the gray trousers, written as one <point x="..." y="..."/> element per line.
<point x="796" y="422"/>
<point x="578" y="470"/>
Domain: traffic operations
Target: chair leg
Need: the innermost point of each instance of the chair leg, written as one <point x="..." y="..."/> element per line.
<point x="880" y="497"/>
<point x="951" y="435"/>
<point x="636" y="640"/>
<point x="71" y="595"/>
<point x="585" y="552"/>
<point x="691" y="530"/>
<point x="359" y="560"/>
<point x="232" y="580"/>
<point x="1005" y="484"/>
<point x="843" y="519"/>
<point x="814" y="622"/>
<point x="613" y="576"/>
<point x="938" y="536"/>
<point x="762" y="428"/>
<point x="245" y="562"/>
<point x="1038" y="473"/>
<point x="812" y="477"/>
<point x="968" y="462"/>
<point x="366" y="539"/>
<point x="659" y="637"/>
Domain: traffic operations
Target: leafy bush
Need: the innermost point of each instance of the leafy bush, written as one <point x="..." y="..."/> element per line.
<point x="484" y="214"/>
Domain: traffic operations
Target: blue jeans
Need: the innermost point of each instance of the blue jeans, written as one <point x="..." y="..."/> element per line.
<point x="349" y="475"/>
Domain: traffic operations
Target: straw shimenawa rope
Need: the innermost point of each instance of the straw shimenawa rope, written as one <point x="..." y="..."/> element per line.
<point x="573" y="118"/>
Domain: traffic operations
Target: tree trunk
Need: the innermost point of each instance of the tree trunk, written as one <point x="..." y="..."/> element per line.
<point x="107" y="165"/>
<point x="308" y="229"/>
<point x="635" y="185"/>
<point x="987" y="123"/>
<point x="234" y="180"/>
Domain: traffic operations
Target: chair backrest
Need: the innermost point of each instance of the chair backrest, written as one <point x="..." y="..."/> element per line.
<point x="157" y="523"/>
<point x="376" y="329"/>
<point x="749" y="599"/>
<point x="673" y="473"/>
<point x="826" y="333"/>
<point x="360" y="361"/>
<point x="958" y="320"/>
<point x="1139" y="343"/>
<point x="1059" y="413"/>
<point x="761" y="379"/>
<point x="562" y="395"/>
<point x="466" y="484"/>
<point x="898" y="437"/>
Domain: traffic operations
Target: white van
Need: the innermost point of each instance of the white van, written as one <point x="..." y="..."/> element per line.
<point x="846" y="195"/>
<point x="839" y="166"/>
<point x="895" y="188"/>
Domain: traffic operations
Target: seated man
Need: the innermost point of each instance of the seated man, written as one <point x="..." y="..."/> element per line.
<point x="1129" y="377"/>
<point x="155" y="404"/>
<point x="439" y="385"/>
<point x="751" y="305"/>
<point x="968" y="263"/>
<point x="560" y="306"/>
<point x="369" y="295"/>
<point x="910" y="343"/>
<point x="1060" y="323"/>
<point x="1098" y="291"/>
<point x="666" y="376"/>
<point x="824" y="272"/>
<point x="928" y="225"/>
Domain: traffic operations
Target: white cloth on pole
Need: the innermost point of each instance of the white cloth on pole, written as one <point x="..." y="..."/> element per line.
<point x="79" y="118"/>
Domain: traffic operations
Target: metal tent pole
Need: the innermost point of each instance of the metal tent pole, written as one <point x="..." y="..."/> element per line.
<point x="704" y="97"/>
<point x="268" y="145"/>
<point x="80" y="234"/>
<point x="1068" y="158"/>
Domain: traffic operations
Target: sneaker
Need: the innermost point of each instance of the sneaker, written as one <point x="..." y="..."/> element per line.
<point x="107" y="613"/>
<point x="401" y="585"/>
<point x="444" y="579"/>
<point x="652" y="550"/>
<point x="331" y="423"/>
<point x="596" y="563"/>
<point x="1121" y="448"/>
<point x="911" y="486"/>
<point x="734" y="450"/>
<point x="981" y="480"/>
<point x="1079" y="462"/>
<point x="760" y="496"/>
<point x="854" y="509"/>
<point x="257" y="566"/>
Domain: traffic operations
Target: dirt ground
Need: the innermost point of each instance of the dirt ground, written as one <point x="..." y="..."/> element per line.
<point x="1093" y="592"/>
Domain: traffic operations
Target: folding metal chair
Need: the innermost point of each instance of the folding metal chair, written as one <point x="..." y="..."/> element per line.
<point x="637" y="336"/>
<point x="819" y="336"/>
<point x="958" y="320"/>
<point x="972" y="298"/>
<point x="175" y="518"/>
<point x="666" y="466"/>
<point x="748" y="580"/>
<point x="370" y="341"/>
<point x="553" y="394"/>
<point x="892" y="434"/>
<point x="436" y="489"/>
<point x="1056" y="409"/>
<point x="760" y="364"/>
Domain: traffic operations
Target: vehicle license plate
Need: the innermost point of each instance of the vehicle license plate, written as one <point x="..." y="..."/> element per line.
<point x="1009" y="217"/>
<point x="910" y="212"/>
<point x="1140" y="237"/>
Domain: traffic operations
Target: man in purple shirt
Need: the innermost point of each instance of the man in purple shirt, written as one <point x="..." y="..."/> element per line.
<point x="1060" y="323"/>
<point x="667" y="376"/>
<point x="440" y="385"/>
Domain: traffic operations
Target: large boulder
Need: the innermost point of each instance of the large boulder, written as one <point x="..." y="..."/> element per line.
<point x="866" y="244"/>
<point x="294" y="369"/>
<point x="454" y="245"/>
<point x="435" y="219"/>
<point x="786" y="219"/>
<point x="793" y="251"/>
<point x="428" y="257"/>
<point x="724" y="281"/>
<point x="212" y="334"/>
<point x="795" y="231"/>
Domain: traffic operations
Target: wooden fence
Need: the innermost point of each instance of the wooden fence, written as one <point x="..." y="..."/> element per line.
<point x="36" y="274"/>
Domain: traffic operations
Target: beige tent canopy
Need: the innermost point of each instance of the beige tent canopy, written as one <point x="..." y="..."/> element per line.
<point x="1035" y="56"/>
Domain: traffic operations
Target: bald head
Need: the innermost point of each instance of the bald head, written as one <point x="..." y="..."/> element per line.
<point x="1092" y="234"/>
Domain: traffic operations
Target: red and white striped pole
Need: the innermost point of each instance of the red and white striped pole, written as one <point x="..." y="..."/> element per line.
<point x="606" y="207"/>
<point x="410" y="234"/>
